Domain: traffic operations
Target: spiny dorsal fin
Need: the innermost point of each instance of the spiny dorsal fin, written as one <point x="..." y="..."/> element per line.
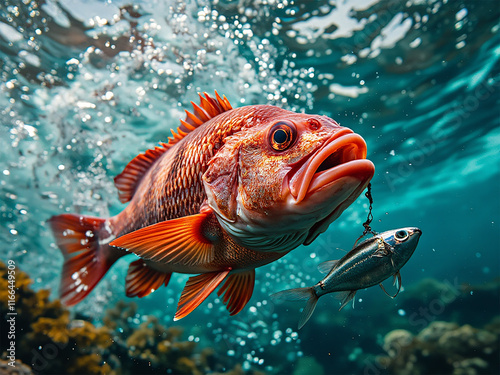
<point x="206" y="110"/>
<point x="127" y="181"/>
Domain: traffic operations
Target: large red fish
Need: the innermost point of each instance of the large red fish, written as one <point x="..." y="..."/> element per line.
<point x="234" y="189"/>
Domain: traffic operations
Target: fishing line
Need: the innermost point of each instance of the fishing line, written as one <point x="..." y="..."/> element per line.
<point x="369" y="218"/>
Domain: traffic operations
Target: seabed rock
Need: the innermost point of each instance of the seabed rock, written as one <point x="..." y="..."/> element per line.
<point x="442" y="348"/>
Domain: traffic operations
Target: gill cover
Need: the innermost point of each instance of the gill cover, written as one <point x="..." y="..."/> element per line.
<point x="221" y="181"/>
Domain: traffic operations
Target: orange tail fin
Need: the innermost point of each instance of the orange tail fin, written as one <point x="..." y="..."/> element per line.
<point x="77" y="237"/>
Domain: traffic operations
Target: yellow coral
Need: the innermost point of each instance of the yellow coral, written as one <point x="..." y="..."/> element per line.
<point x="86" y="334"/>
<point x="55" y="329"/>
<point x="164" y="346"/>
<point x="91" y="364"/>
<point x="186" y="365"/>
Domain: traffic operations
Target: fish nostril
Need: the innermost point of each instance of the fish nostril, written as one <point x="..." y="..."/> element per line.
<point x="313" y="124"/>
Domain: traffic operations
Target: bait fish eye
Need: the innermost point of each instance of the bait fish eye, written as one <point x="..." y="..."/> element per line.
<point x="401" y="235"/>
<point x="282" y="135"/>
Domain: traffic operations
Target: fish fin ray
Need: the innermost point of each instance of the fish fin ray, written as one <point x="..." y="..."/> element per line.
<point x="397" y="280"/>
<point x="77" y="237"/>
<point x="299" y="294"/>
<point x="141" y="280"/>
<point x="208" y="108"/>
<point x="196" y="290"/>
<point x="345" y="297"/>
<point x="237" y="290"/>
<point x="327" y="266"/>
<point x="176" y="241"/>
<point x="308" y="310"/>
<point x="128" y="181"/>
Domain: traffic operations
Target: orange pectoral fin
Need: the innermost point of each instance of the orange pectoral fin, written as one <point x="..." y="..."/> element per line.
<point x="176" y="241"/>
<point x="237" y="290"/>
<point x="142" y="280"/>
<point x="196" y="290"/>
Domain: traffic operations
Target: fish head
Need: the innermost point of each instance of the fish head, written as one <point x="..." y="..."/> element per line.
<point x="404" y="242"/>
<point x="280" y="183"/>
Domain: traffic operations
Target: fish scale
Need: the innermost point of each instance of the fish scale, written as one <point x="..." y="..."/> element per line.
<point x="366" y="265"/>
<point x="215" y="200"/>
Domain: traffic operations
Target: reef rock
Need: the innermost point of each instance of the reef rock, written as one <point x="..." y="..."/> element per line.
<point x="442" y="348"/>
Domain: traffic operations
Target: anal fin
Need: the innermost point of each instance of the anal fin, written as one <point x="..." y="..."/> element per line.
<point x="196" y="290"/>
<point x="142" y="280"/>
<point x="345" y="297"/>
<point x="237" y="290"/>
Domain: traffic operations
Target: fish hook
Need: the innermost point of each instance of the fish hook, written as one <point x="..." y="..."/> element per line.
<point x="397" y="282"/>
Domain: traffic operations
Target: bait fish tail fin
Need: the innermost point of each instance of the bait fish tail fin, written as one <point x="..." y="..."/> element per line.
<point x="300" y="294"/>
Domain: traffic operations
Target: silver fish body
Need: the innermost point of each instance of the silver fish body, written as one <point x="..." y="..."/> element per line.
<point x="367" y="264"/>
<point x="371" y="262"/>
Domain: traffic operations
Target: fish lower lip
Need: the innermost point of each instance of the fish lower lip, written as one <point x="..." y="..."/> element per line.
<point x="342" y="156"/>
<point x="359" y="167"/>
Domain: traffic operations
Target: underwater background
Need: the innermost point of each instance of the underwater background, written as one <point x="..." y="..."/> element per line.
<point x="87" y="85"/>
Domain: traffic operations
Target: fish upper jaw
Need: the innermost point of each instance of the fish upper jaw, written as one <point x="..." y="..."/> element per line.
<point x="342" y="155"/>
<point x="321" y="187"/>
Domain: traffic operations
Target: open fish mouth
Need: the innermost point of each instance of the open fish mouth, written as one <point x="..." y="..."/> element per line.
<point x="343" y="155"/>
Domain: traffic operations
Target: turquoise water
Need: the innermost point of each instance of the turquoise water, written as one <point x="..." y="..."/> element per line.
<point x="87" y="85"/>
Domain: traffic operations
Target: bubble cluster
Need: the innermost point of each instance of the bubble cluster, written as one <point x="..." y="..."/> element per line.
<point x="87" y="86"/>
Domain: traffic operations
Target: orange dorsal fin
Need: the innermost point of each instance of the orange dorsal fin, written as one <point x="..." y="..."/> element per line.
<point x="208" y="108"/>
<point x="237" y="290"/>
<point x="142" y="280"/>
<point x="176" y="241"/>
<point x="196" y="290"/>
<point x="127" y="181"/>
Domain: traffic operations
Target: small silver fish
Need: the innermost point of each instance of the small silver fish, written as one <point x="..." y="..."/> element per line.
<point x="366" y="265"/>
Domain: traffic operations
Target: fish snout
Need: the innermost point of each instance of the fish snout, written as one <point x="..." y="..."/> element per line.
<point x="415" y="231"/>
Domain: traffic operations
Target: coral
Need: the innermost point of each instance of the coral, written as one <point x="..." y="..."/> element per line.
<point x="119" y="317"/>
<point x="18" y="368"/>
<point x="396" y="339"/>
<point x="46" y="337"/>
<point x="152" y="347"/>
<point x="442" y="347"/>
<point x="75" y="346"/>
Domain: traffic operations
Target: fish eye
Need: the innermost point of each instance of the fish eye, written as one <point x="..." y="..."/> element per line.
<point x="401" y="235"/>
<point x="282" y="135"/>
